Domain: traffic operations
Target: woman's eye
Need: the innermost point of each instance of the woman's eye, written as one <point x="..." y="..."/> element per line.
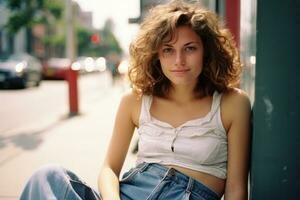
<point x="167" y="50"/>
<point x="190" y="49"/>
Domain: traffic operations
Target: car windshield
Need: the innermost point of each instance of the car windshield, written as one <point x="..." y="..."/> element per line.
<point x="18" y="57"/>
<point x="3" y="57"/>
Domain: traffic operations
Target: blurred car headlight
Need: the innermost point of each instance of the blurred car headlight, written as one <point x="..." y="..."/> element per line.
<point x="101" y="64"/>
<point x="89" y="64"/>
<point x="123" y="67"/>
<point x="76" y="66"/>
<point x="20" y="67"/>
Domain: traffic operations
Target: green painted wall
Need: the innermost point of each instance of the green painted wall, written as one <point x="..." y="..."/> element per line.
<point x="275" y="168"/>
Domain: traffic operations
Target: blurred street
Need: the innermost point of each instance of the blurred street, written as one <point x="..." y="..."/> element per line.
<point x="36" y="130"/>
<point x="25" y="107"/>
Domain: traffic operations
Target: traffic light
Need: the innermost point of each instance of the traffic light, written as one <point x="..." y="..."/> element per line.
<point x="95" y="38"/>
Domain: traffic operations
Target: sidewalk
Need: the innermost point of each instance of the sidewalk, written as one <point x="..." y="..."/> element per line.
<point x="78" y="143"/>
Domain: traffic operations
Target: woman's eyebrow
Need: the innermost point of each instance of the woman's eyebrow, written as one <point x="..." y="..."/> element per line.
<point x="186" y="44"/>
<point x="168" y="45"/>
<point x="192" y="42"/>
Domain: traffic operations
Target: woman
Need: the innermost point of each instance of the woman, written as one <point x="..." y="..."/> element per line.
<point x="193" y="124"/>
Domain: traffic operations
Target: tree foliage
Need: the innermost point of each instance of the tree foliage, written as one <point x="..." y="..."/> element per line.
<point x="108" y="42"/>
<point x="25" y="13"/>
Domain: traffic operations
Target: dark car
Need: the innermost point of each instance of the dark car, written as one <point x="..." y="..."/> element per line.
<point x="20" y="70"/>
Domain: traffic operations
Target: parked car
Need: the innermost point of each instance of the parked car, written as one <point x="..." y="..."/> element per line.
<point x="56" y="68"/>
<point x="20" y="70"/>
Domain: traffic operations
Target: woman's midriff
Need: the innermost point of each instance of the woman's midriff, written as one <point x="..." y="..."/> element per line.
<point x="215" y="184"/>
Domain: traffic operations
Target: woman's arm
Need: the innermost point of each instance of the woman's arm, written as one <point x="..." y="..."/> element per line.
<point x="108" y="181"/>
<point x="236" y="113"/>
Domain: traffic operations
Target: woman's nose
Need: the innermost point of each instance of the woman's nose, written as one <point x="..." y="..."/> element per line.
<point x="180" y="59"/>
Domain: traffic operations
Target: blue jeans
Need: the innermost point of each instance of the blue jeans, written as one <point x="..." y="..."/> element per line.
<point x="145" y="181"/>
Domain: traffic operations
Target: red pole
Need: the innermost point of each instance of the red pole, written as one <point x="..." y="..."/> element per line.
<point x="232" y="16"/>
<point x="73" y="91"/>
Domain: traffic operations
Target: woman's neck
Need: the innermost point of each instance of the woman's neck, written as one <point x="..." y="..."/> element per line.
<point x="182" y="94"/>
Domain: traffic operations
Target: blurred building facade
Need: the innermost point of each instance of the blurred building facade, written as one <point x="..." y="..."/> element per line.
<point x="145" y="5"/>
<point x="33" y="40"/>
<point x="85" y="18"/>
<point x="3" y="35"/>
<point x="9" y="43"/>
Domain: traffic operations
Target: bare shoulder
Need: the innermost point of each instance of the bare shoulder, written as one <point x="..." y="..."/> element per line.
<point x="236" y="97"/>
<point x="235" y="104"/>
<point x="130" y="97"/>
<point x="131" y="102"/>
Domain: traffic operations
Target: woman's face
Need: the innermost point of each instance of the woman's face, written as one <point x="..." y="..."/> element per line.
<point x="182" y="58"/>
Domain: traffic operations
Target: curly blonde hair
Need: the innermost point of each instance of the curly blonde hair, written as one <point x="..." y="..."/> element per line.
<point x="221" y="64"/>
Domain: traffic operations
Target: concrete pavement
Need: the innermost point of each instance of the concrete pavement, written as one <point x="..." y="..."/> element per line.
<point x="78" y="143"/>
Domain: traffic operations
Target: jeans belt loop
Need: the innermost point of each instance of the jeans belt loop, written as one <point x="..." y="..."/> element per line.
<point x="190" y="185"/>
<point x="143" y="167"/>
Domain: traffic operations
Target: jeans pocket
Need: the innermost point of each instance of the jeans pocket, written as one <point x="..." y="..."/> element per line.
<point x="127" y="176"/>
<point x="84" y="191"/>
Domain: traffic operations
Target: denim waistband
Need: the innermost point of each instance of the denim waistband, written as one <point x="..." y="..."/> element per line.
<point x="171" y="173"/>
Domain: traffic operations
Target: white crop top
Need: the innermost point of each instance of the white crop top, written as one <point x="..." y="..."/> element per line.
<point x="199" y="144"/>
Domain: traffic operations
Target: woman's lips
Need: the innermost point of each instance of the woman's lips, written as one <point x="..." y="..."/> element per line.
<point x="179" y="71"/>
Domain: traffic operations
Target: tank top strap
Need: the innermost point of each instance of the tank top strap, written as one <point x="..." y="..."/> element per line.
<point x="215" y="115"/>
<point x="145" y="109"/>
<point x="216" y="103"/>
